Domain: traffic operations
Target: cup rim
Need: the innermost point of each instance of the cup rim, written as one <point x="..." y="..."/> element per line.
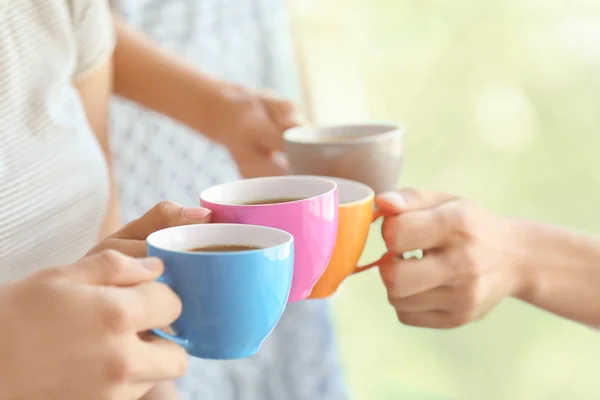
<point x="293" y="135"/>
<point x="369" y="192"/>
<point x="151" y="239"/>
<point x="204" y="193"/>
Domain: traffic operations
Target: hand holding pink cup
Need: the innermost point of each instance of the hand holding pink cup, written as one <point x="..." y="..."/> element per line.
<point x="305" y="206"/>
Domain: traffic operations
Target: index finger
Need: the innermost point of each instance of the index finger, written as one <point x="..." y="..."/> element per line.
<point x="165" y="214"/>
<point x="111" y="268"/>
<point x="407" y="199"/>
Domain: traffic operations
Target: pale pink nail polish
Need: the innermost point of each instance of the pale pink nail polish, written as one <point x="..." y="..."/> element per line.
<point x="196" y="213"/>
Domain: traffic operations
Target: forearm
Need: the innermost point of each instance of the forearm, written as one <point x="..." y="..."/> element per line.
<point x="561" y="270"/>
<point x="164" y="82"/>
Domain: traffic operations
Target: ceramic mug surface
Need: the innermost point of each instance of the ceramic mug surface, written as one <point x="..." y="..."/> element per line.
<point x="356" y="213"/>
<point x="231" y="300"/>
<point x="312" y="218"/>
<point x="370" y="153"/>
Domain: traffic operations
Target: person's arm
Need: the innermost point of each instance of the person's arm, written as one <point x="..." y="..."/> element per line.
<point x="250" y="123"/>
<point x="561" y="270"/>
<point x="473" y="259"/>
<point x="166" y="83"/>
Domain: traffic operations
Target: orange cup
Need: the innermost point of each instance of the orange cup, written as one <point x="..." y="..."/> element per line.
<point x="356" y="213"/>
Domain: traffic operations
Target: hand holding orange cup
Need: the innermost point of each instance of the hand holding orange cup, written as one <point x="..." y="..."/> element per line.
<point x="356" y="214"/>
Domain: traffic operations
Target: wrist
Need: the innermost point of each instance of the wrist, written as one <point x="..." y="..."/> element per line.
<point x="520" y="235"/>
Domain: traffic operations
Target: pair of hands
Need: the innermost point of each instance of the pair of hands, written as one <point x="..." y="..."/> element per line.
<point x="466" y="269"/>
<point x="79" y="331"/>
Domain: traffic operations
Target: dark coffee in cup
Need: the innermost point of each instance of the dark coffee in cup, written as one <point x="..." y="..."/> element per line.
<point x="335" y="139"/>
<point x="272" y="201"/>
<point x="223" y="248"/>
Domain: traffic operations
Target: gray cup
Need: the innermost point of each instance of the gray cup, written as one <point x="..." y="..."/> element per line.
<point x="370" y="153"/>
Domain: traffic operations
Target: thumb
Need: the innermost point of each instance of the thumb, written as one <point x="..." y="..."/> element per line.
<point x="405" y="200"/>
<point x="291" y="120"/>
<point x="165" y="214"/>
<point x="283" y="114"/>
<point x="111" y="268"/>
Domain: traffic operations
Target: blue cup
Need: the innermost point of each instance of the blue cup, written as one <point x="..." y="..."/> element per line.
<point x="231" y="300"/>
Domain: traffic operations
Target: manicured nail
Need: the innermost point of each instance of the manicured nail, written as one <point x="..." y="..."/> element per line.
<point x="394" y="198"/>
<point x="151" y="263"/>
<point x="196" y="213"/>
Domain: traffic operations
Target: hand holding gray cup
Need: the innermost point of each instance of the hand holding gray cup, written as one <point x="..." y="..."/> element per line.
<point x="370" y="153"/>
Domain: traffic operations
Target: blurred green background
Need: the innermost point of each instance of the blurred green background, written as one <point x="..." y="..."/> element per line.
<point x="501" y="101"/>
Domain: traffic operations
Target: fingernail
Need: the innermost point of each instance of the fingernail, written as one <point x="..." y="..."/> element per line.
<point x="151" y="264"/>
<point x="394" y="198"/>
<point x="196" y="213"/>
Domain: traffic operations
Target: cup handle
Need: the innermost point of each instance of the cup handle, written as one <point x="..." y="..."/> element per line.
<point x="183" y="342"/>
<point x="376" y="215"/>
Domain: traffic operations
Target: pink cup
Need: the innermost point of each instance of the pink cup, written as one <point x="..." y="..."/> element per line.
<point x="312" y="220"/>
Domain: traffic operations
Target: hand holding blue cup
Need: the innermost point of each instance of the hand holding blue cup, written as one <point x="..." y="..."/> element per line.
<point x="232" y="297"/>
